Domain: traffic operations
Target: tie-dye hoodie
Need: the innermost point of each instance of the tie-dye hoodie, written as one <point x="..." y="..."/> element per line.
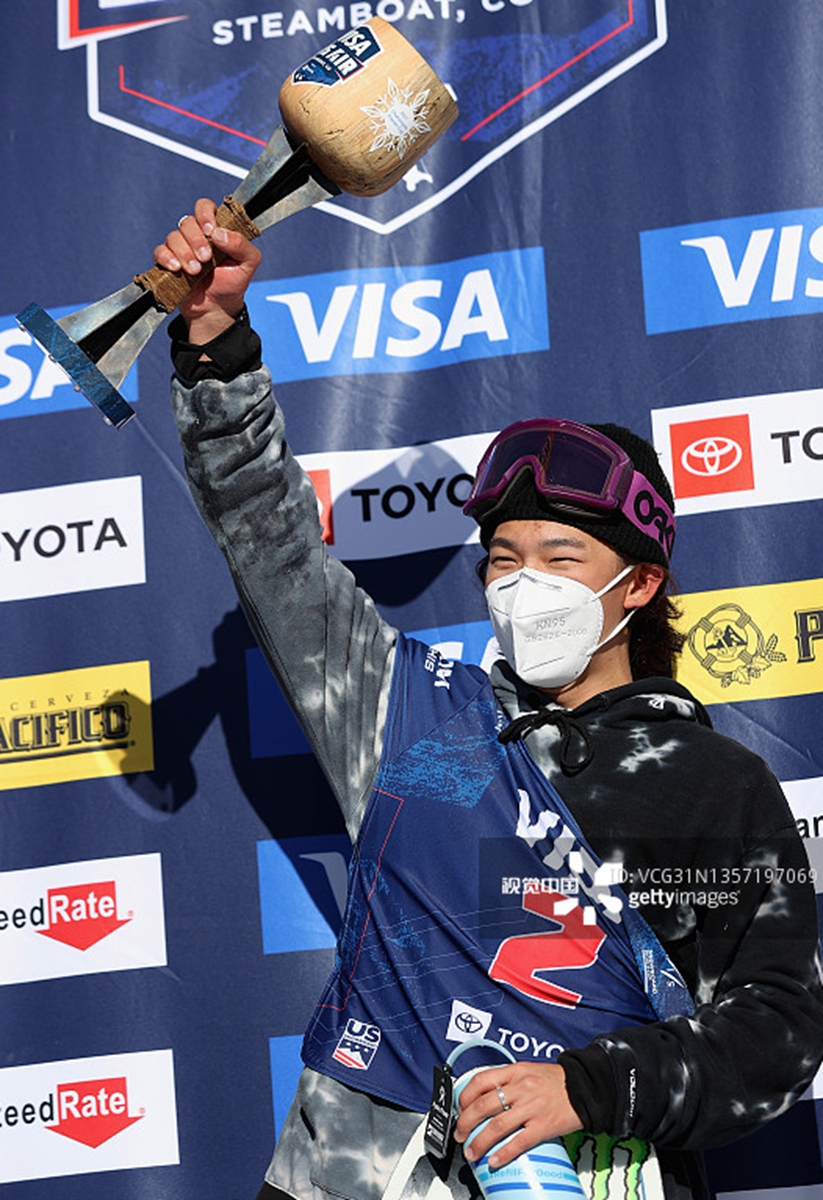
<point x="698" y="822"/>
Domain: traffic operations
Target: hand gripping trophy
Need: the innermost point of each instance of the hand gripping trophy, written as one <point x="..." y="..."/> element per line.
<point x="327" y="144"/>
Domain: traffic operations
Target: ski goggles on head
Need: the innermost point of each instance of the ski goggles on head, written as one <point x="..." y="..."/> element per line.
<point x="574" y="467"/>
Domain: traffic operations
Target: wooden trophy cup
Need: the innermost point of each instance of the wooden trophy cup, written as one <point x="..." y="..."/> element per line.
<point x="356" y="116"/>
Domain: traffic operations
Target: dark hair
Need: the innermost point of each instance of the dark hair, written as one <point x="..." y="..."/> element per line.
<point x="654" y="641"/>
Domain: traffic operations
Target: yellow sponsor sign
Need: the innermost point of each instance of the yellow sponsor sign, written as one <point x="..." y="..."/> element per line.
<point x="753" y="643"/>
<point x="75" y="725"/>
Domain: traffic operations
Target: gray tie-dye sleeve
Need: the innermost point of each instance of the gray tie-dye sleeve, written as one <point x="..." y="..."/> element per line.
<point x="329" y="649"/>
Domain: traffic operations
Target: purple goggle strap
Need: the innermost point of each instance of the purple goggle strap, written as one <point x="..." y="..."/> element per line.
<point x="647" y="509"/>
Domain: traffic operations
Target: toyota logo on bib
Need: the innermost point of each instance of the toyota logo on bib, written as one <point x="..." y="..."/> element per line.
<point x="711" y="456"/>
<point x="468" y="1023"/>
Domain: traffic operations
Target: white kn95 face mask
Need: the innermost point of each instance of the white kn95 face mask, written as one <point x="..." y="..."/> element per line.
<point x="548" y="626"/>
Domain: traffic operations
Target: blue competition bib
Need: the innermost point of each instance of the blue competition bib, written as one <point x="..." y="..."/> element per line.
<point x="475" y="906"/>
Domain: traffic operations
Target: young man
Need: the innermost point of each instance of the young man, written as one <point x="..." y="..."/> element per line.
<point x="686" y="1029"/>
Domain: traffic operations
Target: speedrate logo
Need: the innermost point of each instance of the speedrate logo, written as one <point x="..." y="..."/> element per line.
<point x="78" y="1116"/>
<point x="94" y="1111"/>
<point x="391" y="319"/>
<point x="81" y="918"/>
<point x="743" y="269"/>
<point x="83" y="915"/>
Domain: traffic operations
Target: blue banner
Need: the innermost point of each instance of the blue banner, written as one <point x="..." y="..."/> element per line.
<point x="624" y="223"/>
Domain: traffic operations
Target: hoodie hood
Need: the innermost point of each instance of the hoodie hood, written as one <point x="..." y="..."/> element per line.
<point x="570" y="736"/>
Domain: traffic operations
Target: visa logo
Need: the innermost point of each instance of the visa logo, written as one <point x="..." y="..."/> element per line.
<point x="412" y="318"/>
<point x="31" y="383"/>
<point x="742" y="269"/>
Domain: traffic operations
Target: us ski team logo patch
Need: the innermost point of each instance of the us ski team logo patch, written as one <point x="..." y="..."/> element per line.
<point x="358" y="1045"/>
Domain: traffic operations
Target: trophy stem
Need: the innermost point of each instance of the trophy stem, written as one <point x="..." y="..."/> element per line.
<point x="101" y="338"/>
<point x="98" y="344"/>
<point x="283" y="181"/>
<point x="329" y="147"/>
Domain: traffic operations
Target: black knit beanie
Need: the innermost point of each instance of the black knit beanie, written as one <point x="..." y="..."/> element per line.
<point x="522" y="502"/>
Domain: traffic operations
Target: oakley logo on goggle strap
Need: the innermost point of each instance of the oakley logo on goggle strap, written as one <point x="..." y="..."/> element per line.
<point x="648" y="512"/>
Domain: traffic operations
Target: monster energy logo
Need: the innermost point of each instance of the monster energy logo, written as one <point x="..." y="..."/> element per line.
<point x="609" y="1168"/>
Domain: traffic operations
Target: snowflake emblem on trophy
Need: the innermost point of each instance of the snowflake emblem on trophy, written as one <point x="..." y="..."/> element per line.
<point x="397" y="119"/>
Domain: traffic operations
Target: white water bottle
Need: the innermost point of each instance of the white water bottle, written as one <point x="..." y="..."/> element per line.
<point x="545" y="1171"/>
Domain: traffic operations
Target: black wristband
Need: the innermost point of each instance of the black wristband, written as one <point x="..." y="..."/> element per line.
<point x="233" y="352"/>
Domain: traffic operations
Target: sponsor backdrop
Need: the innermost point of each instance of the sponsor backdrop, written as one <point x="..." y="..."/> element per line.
<point x="625" y="223"/>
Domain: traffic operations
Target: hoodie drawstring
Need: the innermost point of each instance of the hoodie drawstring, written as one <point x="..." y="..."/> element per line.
<point x="567" y="726"/>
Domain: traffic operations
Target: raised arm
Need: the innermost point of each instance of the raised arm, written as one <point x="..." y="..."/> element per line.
<point x="328" y="647"/>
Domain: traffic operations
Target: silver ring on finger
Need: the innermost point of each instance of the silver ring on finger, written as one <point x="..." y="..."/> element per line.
<point x="501" y="1096"/>
<point x="182" y="219"/>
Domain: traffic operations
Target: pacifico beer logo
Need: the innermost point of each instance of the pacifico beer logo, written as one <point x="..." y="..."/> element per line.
<point x="731" y="647"/>
<point x="86" y="1115"/>
<point x="753" y="643"/>
<point x="81" y="918"/>
<point x="75" y="725"/>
